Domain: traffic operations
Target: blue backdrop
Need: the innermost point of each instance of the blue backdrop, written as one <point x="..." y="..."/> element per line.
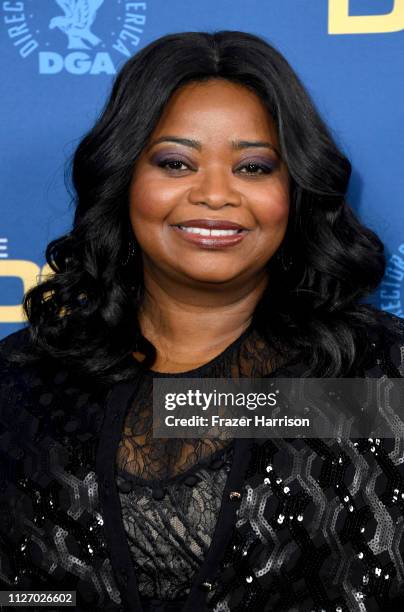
<point x="57" y="61"/>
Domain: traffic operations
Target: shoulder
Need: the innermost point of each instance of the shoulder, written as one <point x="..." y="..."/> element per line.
<point x="26" y="375"/>
<point x="14" y="373"/>
<point x="390" y="326"/>
<point x="13" y="343"/>
<point x="15" y="352"/>
<point x="390" y="321"/>
<point x="388" y="339"/>
<point x="20" y="369"/>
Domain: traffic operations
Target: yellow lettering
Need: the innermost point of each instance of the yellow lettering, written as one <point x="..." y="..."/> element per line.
<point x="27" y="272"/>
<point x="30" y="274"/>
<point x="340" y="22"/>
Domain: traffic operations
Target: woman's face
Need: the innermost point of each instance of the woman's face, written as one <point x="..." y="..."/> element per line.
<point x="211" y="162"/>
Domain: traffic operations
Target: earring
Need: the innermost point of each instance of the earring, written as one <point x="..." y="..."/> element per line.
<point x="285" y="261"/>
<point x="131" y="251"/>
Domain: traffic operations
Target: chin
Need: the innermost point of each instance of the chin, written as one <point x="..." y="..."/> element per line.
<point x="216" y="277"/>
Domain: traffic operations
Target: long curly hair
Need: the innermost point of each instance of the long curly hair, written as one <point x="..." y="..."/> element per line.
<point x="85" y="315"/>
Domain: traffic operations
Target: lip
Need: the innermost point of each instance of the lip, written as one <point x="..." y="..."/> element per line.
<point x="211" y="242"/>
<point x="212" y="224"/>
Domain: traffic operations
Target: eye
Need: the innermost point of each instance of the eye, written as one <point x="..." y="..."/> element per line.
<point x="255" y="168"/>
<point x="173" y="165"/>
<point x="178" y="166"/>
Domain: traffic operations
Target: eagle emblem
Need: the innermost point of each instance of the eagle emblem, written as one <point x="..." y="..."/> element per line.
<point x="76" y="22"/>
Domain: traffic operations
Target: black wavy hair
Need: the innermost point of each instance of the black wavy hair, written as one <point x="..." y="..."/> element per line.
<point x="85" y="315"/>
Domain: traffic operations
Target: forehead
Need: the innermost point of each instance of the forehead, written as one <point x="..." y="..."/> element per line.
<point x="216" y="106"/>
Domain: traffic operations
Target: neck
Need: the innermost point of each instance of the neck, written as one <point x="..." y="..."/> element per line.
<point x="196" y="320"/>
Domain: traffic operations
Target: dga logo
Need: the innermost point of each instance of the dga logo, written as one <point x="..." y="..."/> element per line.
<point x="391" y="289"/>
<point x="77" y="36"/>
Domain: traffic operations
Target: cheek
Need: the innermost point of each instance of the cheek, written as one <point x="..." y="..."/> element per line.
<point x="272" y="208"/>
<point x="151" y="201"/>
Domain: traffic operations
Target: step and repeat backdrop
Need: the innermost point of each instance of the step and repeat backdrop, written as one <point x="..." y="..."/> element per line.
<point x="58" y="59"/>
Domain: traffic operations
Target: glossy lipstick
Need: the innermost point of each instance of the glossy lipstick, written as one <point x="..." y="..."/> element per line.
<point x="211" y="233"/>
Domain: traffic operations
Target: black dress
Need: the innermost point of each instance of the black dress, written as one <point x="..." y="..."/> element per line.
<point x="92" y="502"/>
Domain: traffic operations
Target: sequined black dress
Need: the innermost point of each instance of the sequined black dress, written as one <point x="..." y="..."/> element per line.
<point x="91" y="502"/>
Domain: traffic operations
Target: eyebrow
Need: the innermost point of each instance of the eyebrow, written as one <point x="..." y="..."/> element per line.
<point x="236" y="144"/>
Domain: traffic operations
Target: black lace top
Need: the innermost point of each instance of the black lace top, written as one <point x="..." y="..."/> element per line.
<point x="170" y="536"/>
<point x="171" y="489"/>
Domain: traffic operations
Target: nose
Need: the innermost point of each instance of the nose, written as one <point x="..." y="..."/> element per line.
<point x="214" y="187"/>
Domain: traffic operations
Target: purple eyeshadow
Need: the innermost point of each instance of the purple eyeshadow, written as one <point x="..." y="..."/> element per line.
<point x="162" y="156"/>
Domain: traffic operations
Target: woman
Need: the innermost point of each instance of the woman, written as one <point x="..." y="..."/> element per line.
<point x="211" y="239"/>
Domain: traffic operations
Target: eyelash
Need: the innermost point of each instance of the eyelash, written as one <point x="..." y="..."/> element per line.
<point x="263" y="168"/>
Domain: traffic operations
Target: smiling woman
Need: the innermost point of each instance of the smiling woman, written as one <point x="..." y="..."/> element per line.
<point x="211" y="239"/>
<point x="208" y="204"/>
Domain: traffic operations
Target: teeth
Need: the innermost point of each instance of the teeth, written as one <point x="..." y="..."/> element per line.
<point x="206" y="232"/>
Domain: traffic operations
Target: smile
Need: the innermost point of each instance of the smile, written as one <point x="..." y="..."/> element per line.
<point x="210" y="238"/>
